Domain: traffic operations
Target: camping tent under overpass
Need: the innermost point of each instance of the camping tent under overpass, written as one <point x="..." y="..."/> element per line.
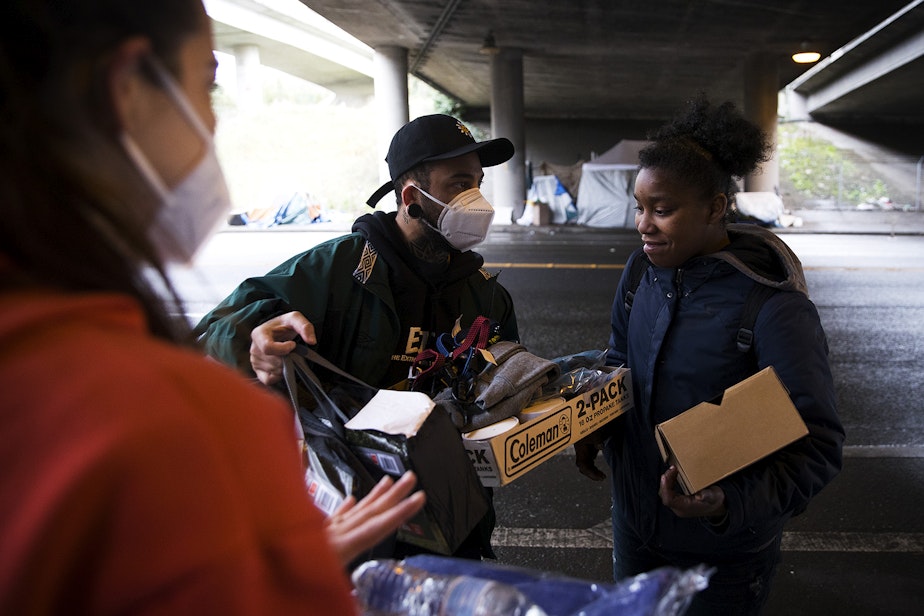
<point x="605" y="195"/>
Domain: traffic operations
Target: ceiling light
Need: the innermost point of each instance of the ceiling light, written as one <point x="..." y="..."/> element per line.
<point x="489" y="47"/>
<point x="805" y="55"/>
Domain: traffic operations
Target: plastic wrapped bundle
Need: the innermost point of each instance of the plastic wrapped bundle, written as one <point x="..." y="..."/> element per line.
<point x="557" y="595"/>
<point x="662" y="592"/>
<point x="578" y="373"/>
<point x="393" y="588"/>
<point x="426" y="585"/>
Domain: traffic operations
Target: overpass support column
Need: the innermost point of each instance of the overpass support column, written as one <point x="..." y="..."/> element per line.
<point x="389" y="66"/>
<point x="761" y="89"/>
<point x="507" y="120"/>
<point x="249" y="82"/>
<point x="796" y="106"/>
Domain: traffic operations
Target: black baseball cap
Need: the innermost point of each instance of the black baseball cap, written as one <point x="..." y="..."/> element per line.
<point x="436" y="137"/>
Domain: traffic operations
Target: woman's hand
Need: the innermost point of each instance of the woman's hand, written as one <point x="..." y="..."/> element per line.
<point x="357" y="527"/>
<point x="707" y="503"/>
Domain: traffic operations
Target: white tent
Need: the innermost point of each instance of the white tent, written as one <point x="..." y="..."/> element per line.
<point x="607" y="185"/>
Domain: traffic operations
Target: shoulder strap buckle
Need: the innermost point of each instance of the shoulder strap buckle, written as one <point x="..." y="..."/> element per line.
<point x="744" y="339"/>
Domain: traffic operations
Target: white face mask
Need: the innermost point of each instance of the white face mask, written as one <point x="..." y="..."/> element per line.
<point x="191" y="211"/>
<point x="465" y="220"/>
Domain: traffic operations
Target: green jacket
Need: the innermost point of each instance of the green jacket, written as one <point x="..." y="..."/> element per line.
<point x="342" y="286"/>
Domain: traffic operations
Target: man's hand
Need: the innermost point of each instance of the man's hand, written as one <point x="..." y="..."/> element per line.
<point x="585" y="455"/>
<point x="707" y="503"/>
<point x="357" y="527"/>
<point x="273" y="340"/>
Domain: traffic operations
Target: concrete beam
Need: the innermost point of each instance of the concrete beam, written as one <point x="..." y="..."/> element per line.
<point x="909" y="50"/>
<point x="294" y="39"/>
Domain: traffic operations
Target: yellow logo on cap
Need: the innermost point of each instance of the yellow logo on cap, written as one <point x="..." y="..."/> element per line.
<point x="464" y="130"/>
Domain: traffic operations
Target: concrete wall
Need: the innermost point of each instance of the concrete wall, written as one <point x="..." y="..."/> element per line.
<point x="565" y="142"/>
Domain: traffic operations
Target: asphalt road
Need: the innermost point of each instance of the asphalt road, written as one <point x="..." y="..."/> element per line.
<point x="858" y="549"/>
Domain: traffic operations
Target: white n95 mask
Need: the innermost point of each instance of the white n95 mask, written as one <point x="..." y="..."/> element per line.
<point x="191" y="211"/>
<point x="465" y="220"/>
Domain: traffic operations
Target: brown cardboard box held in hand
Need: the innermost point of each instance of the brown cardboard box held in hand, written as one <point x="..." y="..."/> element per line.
<point x="712" y="440"/>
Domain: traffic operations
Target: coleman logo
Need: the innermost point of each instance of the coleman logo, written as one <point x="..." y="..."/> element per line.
<point x="527" y="448"/>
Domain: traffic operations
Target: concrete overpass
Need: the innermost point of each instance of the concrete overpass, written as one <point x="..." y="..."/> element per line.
<point x="562" y="80"/>
<point x="288" y="36"/>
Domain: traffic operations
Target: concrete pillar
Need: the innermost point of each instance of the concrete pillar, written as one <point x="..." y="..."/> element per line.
<point x="249" y="77"/>
<point x="796" y="106"/>
<point x="761" y="91"/>
<point x="507" y="120"/>
<point x="389" y="67"/>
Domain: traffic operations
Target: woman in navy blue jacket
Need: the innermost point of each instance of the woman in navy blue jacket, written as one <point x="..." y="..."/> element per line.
<point x="680" y="340"/>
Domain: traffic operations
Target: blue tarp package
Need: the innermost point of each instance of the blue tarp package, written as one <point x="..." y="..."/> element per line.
<point x="662" y="592"/>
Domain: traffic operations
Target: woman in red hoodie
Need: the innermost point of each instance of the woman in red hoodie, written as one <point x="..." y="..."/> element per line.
<point x="136" y="476"/>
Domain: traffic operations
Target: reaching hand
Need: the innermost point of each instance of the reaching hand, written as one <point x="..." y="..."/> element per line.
<point x="357" y="527"/>
<point x="585" y="455"/>
<point x="273" y="340"/>
<point x="707" y="503"/>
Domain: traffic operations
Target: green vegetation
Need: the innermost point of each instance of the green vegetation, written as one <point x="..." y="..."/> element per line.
<point x="813" y="170"/>
<point x="302" y="139"/>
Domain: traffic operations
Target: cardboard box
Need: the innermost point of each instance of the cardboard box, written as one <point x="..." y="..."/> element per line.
<point x="712" y="440"/>
<point x="540" y="214"/>
<point x="508" y="456"/>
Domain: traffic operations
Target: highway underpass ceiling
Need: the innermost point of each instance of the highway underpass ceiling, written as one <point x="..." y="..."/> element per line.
<point x="639" y="60"/>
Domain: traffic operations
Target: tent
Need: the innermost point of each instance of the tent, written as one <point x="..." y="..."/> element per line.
<point x="763" y="208"/>
<point x="607" y="185"/>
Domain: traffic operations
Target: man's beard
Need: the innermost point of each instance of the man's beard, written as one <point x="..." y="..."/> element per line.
<point x="430" y="246"/>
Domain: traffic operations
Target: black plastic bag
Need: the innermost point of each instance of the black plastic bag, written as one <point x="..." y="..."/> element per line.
<point x="321" y="416"/>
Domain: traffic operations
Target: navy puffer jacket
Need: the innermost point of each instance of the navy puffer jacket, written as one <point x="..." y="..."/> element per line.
<point x="680" y="342"/>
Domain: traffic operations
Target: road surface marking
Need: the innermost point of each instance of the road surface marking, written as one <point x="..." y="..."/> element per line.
<point x="601" y="537"/>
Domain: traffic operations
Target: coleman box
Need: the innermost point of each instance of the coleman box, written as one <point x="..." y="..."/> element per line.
<point x="712" y="440"/>
<point x="543" y="432"/>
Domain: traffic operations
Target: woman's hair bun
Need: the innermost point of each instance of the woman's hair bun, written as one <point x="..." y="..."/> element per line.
<point x="736" y="145"/>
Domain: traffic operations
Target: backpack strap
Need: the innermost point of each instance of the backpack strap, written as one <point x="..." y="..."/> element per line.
<point x="756" y="297"/>
<point x="636" y="271"/>
<point x="758" y="294"/>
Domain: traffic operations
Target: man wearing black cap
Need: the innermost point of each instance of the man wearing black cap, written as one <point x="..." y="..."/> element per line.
<point x="372" y="300"/>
